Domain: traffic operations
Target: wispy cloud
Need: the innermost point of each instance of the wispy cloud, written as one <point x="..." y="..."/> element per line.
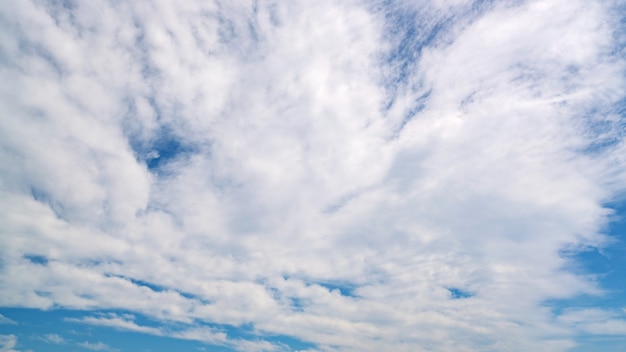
<point x="202" y="334"/>
<point x="97" y="346"/>
<point x="53" y="338"/>
<point x="5" y="320"/>
<point x="596" y="321"/>
<point x="114" y="321"/>
<point x="358" y="175"/>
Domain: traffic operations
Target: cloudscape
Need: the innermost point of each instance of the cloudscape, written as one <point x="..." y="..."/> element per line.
<point x="354" y="175"/>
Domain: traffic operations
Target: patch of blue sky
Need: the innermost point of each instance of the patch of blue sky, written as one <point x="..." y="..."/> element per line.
<point x="345" y="289"/>
<point x="161" y="150"/>
<point x="609" y="263"/>
<point x="166" y="149"/>
<point x="36" y="259"/>
<point x="457" y="293"/>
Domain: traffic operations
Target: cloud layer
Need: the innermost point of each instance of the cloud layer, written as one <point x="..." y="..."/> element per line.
<point x="361" y="176"/>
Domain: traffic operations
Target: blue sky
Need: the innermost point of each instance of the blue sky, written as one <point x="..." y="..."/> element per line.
<point x="288" y="176"/>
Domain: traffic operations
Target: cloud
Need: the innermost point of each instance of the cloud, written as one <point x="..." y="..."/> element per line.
<point x="114" y="321"/>
<point x="53" y="338"/>
<point x="98" y="346"/>
<point x="95" y="346"/>
<point x="257" y="346"/>
<point x="202" y="334"/>
<point x="596" y="321"/>
<point x="357" y="175"/>
<point x="5" y="320"/>
<point x="7" y="343"/>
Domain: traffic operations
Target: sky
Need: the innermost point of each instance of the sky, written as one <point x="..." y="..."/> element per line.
<point x="355" y="175"/>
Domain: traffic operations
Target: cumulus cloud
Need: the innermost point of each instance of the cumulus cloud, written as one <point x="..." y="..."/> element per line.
<point x="357" y="175"/>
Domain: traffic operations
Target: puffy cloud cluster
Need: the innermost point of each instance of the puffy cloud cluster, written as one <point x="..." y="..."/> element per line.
<point x="357" y="175"/>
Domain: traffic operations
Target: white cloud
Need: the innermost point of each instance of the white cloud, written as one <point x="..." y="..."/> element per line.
<point x="257" y="346"/>
<point x="7" y="343"/>
<point x="394" y="151"/>
<point x="97" y="346"/>
<point x="53" y="338"/>
<point x="596" y="321"/>
<point x="114" y="321"/>
<point x="202" y="334"/>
